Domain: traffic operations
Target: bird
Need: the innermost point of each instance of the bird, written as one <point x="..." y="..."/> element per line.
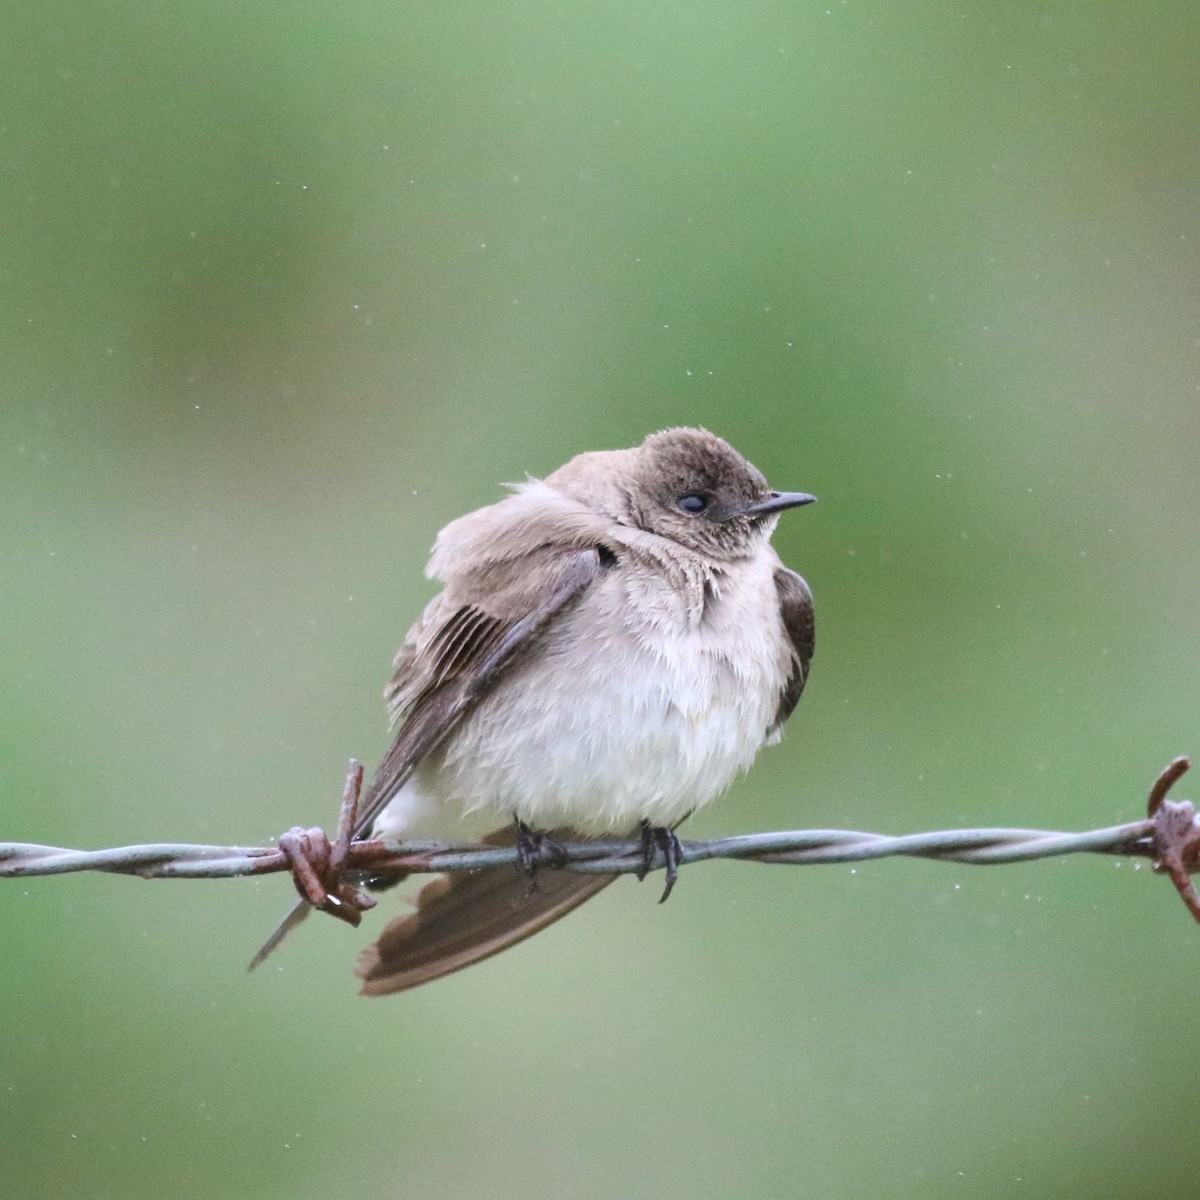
<point x="612" y="645"/>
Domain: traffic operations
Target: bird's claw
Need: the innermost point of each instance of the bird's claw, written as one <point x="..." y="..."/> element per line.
<point x="658" y="839"/>
<point x="534" y="850"/>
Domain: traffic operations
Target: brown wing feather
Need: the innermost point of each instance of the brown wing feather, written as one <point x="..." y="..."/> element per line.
<point x="796" y="608"/>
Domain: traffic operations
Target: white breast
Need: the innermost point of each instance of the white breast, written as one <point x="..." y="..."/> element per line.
<point x="637" y="708"/>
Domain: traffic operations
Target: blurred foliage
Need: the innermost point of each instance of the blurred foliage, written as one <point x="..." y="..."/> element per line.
<point x="287" y="287"/>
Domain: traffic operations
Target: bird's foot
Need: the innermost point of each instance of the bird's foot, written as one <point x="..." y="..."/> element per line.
<point x="536" y="849"/>
<point x="656" y="839"/>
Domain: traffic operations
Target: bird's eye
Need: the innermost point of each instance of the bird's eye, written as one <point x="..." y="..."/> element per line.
<point x="693" y="502"/>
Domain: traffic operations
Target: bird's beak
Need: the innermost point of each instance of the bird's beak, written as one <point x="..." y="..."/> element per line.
<point x="774" y="503"/>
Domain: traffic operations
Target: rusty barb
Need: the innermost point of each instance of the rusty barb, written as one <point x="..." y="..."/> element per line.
<point x="1176" y="833"/>
<point x="317" y="866"/>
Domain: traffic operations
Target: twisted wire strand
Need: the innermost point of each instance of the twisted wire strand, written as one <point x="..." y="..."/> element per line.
<point x="326" y="873"/>
<point x="982" y="847"/>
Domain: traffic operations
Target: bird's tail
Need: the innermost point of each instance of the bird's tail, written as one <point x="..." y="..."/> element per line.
<point x="467" y="916"/>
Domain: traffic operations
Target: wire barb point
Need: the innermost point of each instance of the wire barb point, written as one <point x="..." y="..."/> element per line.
<point x="317" y="866"/>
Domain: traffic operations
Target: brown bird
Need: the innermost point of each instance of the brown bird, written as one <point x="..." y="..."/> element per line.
<point x="611" y="647"/>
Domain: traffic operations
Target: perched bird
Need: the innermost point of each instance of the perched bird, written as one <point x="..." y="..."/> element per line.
<point x="611" y="646"/>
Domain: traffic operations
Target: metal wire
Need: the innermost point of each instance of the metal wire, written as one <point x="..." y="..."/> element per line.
<point x="21" y="860"/>
<point x="326" y="873"/>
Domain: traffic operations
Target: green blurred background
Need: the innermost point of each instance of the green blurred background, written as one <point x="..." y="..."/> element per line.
<point x="286" y="287"/>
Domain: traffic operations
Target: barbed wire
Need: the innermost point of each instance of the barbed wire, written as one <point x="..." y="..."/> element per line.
<point x="607" y="856"/>
<point x="327" y="874"/>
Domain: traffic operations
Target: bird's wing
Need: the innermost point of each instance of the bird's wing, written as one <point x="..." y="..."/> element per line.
<point x="471" y="633"/>
<point x="467" y="916"/>
<point x="796" y="608"/>
<point x="469" y="637"/>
